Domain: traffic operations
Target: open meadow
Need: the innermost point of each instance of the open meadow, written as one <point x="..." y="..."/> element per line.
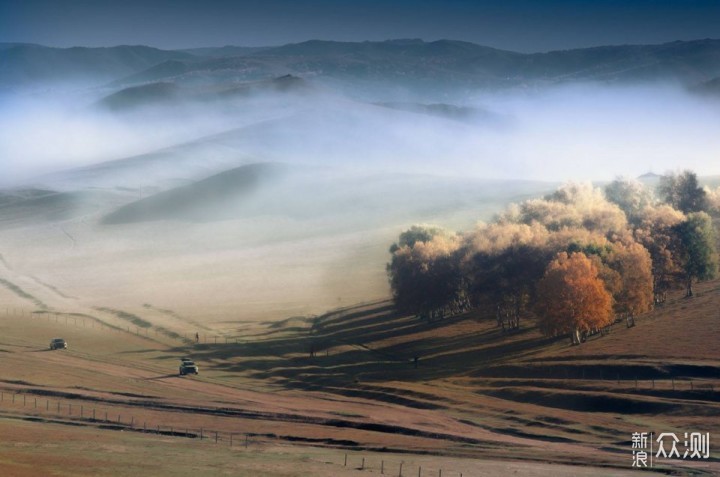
<point x="113" y="399"/>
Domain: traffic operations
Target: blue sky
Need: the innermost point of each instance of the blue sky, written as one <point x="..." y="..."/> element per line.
<point x="520" y="25"/>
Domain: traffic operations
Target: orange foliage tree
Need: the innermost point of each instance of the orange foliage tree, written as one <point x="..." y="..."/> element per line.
<point x="633" y="264"/>
<point x="572" y="298"/>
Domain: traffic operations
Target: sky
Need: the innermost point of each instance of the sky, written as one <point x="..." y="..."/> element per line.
<point x="518" y="25"/>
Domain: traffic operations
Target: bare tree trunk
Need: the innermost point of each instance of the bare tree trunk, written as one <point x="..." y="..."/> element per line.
<point x="689" y="292"/>
<point x="575" y="336"/>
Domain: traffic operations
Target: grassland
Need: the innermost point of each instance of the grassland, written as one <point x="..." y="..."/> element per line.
<point x="307" y="390"/>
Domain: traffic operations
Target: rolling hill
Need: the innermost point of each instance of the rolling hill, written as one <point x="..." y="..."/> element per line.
<point x="25" y="65"/>
<point x="447" y="65"/>
<point x="347" y="381"/>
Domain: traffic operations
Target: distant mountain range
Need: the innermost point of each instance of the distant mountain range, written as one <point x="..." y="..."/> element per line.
<point x="23" y="64"/>
<point x="412" y="64"/>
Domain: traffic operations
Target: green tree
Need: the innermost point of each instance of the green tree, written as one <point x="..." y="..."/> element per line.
<point x="683" y="192"/>
<point x="698" y="249"/>
<point x="656" y="232"/>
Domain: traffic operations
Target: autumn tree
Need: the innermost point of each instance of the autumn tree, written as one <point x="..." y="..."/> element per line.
<point x="698" y="251"/>
<point x="572" y="298"/>
<point x="573" y="205"/>
<point x="425" y="276"/>
<point x="418" y="233"/>
<point x="634" y="292"/>
<point x="683" y="192"/>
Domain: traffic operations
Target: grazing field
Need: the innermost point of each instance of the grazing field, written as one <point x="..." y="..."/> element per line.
<point x="295" y="396"/>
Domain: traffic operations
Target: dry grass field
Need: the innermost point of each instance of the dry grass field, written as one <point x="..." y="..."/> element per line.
<point x="479" y="402"/>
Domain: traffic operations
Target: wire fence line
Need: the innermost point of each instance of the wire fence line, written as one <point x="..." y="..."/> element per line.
<point x="392" y="467"/>
<point x="109" y="418"/>
<point x="57" y="410"/>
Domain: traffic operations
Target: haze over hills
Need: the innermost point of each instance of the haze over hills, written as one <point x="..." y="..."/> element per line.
<point x="316" y="152"/>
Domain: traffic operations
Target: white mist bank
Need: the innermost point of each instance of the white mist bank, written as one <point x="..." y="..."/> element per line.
<point x="587" y="132"/>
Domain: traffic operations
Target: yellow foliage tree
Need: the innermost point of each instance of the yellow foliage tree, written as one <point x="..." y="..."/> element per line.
<point x="634" y="267"/>
<point x="572" y="297"/>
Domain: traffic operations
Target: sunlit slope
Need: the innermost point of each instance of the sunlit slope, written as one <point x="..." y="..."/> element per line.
<point x="660" y="375"/>
<point x="372" y="342"/>
<point x="476" y="391"/>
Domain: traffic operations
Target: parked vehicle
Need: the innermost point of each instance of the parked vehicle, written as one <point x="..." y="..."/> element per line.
<point x="187" y="366"/>
<point x="58" y="343"/>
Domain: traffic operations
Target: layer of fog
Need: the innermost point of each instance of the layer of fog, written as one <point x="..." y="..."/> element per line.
<point x="588" y="132"/>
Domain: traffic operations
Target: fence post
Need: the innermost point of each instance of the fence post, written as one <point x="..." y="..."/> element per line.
<point x="345" y="464"/>
<point x="419" y="471"/>
<point x="400" y="474"/>
<point x="81" y="411"/>
<point x="362" y="466"/>
<point x="24" y="400"/>
<point x="35" y="403"/>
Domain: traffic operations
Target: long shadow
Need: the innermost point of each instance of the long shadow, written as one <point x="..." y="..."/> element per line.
<point x="298" y="361"/>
